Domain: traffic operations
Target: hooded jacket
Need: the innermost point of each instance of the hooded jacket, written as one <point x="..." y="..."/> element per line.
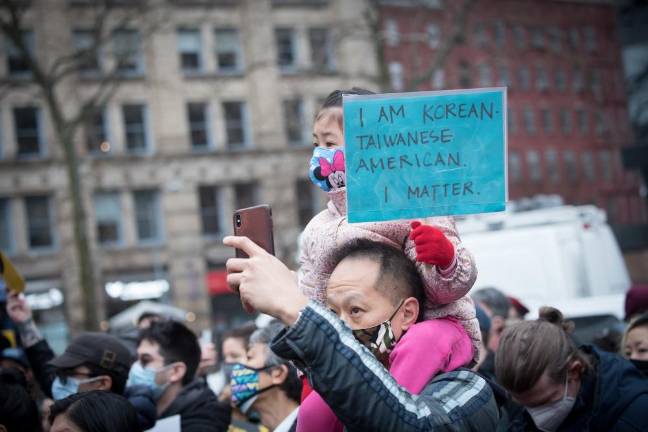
<point x="199" y="409"/>
<point x="445" y="291"/>
<point x="613" y="398"/>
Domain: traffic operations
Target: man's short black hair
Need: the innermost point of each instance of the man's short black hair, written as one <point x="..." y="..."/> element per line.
<point x="97" y="410"/>
<point x="148" y="315"/>
<point x="398" y="278"/>
<point x="177" y="344"/>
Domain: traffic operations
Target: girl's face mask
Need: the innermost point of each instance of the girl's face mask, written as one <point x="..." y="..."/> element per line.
<point x="379" y="339"/>
<point x="327" y="168"/>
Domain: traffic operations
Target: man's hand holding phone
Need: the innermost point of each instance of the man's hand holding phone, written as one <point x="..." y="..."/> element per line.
<point x="264" y="282"/>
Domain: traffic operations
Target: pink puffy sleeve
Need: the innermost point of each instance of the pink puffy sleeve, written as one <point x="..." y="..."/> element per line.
<point x="310" y="279"/>
<point x="443" y="287"/>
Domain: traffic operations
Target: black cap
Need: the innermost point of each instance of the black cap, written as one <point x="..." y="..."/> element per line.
<point x="96" y="349"/>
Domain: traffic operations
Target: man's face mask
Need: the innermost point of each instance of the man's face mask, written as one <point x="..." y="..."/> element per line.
<point x="327" y="168"/>
<point x="245" y="386"/>
<point x="139" y="375"/>
<point x="63" y="387"/>
<point x="642" y="365"/>
<point x="549" y="417"/>
<point x="379" y="339"/>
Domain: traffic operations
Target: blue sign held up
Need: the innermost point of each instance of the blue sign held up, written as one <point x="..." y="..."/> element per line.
<point x="414" y="155"/>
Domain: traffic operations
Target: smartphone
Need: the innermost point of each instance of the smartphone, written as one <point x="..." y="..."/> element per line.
<point x="255" y="223"/>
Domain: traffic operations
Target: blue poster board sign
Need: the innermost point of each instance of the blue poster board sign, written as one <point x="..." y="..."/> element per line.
<point x="414" y="155"/>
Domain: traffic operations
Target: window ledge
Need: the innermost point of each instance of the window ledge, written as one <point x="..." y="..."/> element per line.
<point x="213" y="75"/>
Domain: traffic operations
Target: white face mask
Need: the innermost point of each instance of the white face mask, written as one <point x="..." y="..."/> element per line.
<point x="549" y="416"/>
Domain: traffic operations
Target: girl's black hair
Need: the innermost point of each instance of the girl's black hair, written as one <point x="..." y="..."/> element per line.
<point x="97" y="411"/>
<point x="18" y="411"/>
<point x="334" y="99"/>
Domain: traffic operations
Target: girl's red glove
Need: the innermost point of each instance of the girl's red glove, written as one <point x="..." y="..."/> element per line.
<point x="432" y="246"/>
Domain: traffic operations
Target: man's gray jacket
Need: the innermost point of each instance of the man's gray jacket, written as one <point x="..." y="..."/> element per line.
<point x="362" y="393"/>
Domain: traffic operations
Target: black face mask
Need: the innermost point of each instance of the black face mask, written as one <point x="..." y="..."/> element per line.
<point x="642" y="365"/>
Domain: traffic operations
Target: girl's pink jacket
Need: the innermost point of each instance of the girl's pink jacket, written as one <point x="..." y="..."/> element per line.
<point x="445" y="293"/>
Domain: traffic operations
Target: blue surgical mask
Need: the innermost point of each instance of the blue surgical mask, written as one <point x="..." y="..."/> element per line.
<point x="227" y="370"/>
<point x="327" y="169"/>
<point x="62" y="388"/>
<point x="139" y="375"/>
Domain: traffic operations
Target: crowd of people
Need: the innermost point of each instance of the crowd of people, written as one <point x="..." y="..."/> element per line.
<point x="379" y="330"/>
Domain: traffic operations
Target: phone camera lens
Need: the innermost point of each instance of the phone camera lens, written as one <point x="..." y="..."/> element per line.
<point x="238" y="221"/>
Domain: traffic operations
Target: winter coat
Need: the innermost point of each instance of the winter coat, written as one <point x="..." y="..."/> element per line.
<point x="362" y="393"/>
<point x="141" y="397"/>
<point x="613" y="398"/>
<point x="445" y="293"/>
<point x="199" y="409"/>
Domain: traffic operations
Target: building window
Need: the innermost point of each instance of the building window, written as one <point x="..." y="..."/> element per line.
<point x="147" y="215"/>
<point x="246" y="194"/>
<point x="533" y="163"/>
<point x="481" y="37"/>
<point x="229" y="57"/>
<point x="286" y="48"/>
<point x="39" y="222"/>
<point x="135" y="127"/>
<point x="595" y="83"/>
<point x="588" y="166"/>
<point x="510" y="120"/>
<point x="87" y="51"/>
<point x="127" y="48"/>
<point x="96" y="133"/>
<point x="606" y="165"/>
<point x="465" y="80"/>
<point x="108" y="217"/>
<point x="485" y="78"/>
<point x="519" y="35"/>
<point x="198" y="119"/>
<point x="235" y="124"/>
<point x="6" y="242"/>
<point x="542" y="80"/>
<point x="438" y="79"/>
<point x="190" y="50"/>
<point x="433" y="35"/>
<point x="392" y="35"/>
<point x="524" y="78"/>
<point x="590" y="39"/>
<point x="574" y="38"/>
<point x="499" y="30"/>
<point x="537" y="37"/>
<point x="294" y="121"/>
<point x="601" y="124"/>
<point x="547" y="123"/>
<point x="321" y="47"/>
<point x="561" y="80"/>
<point x="28" y="131"/>
<point x="529" y="121"/>
<point x="396" y="75"/>
<point x="211" y="210"/>
<point x="553" y="170"/>
<point x="577" y="80"/>
<point x="583" y="123"/>
<point x="555" y="39"/>
<point x="17" y="64"/>
<point x="515" y="166"/>
<point x="305" y="201"/>
<point x="571" y="167"/>
<point x="504" y="76"/>
<point x="564" y="117"/>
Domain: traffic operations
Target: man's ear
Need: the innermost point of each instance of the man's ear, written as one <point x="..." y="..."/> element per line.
<point x="575" y="370"/>
<point x="105" y="383"/>
<point x="410" y="309"/>
<point x="279" y="374"/>
<point x="178" y="372"/>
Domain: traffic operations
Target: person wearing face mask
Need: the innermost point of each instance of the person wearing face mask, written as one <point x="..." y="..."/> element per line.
<point x="565" y="388"/>
<point x="168" y="355"/>
<point x="635" y="343"/>
<point x="267" y="383"/>
<point x="372" y="313"/>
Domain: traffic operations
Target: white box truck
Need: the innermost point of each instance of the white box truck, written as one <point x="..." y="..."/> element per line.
<point x="566" y="257"/>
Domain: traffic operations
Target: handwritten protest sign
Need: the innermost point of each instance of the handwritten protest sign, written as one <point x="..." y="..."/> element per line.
<point x="414" y="155"/>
